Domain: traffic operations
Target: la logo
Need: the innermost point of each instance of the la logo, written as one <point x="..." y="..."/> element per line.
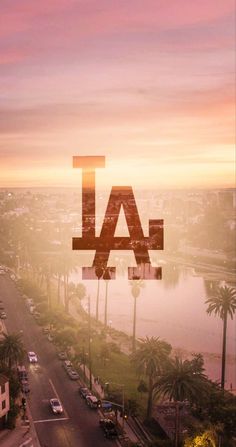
<point x="119" y="196"/>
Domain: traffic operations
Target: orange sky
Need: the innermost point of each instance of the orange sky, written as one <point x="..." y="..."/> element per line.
<point x="149" y="84"/>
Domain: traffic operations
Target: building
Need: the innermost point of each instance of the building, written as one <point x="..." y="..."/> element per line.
<point x="4" y="399"/>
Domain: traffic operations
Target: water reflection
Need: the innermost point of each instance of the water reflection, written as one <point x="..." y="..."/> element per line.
<point x="210" y="287"/>
<point x="173" y="309"/>
<point x="171" y="275"/>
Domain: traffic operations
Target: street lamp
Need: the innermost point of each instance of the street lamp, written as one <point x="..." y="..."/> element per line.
<point x="106" y="278"/>
<point x="123" y="399"/>
<point x="89" y="346"/>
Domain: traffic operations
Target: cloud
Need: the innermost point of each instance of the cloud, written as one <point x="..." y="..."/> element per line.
<point x="132" y="77"/>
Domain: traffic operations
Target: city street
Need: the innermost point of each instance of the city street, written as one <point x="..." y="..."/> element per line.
<point x="78" y="425"/>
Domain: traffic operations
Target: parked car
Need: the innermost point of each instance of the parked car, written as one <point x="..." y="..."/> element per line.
<point x="50" y="337"/>
<point x="22" y="373"/>
<point x="67" y="364"/>
<point x="84" y="392"/>
<point x="106" y="407"/>
<point x="25" y="388"/>
<point x="32" y="309"/>
<point x="1" y="305"/>
<point x="73" y="375"/>
<point x="109" y="428"/>
<point x="92" y="401"/>
<point x="62" y="355"/>
<point x="46" y="330"/>
<point x="32" y="357"/>
<point x="3" y="315"/>
<point x="56" y="406"/>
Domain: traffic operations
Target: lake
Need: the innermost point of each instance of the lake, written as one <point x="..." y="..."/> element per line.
<point x="174" y="309"/>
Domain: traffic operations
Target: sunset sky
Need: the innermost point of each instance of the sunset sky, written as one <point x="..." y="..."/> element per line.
<point x="147" y="83"/>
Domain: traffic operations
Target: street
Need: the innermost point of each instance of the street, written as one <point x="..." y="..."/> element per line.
<point x="78" y="426"/>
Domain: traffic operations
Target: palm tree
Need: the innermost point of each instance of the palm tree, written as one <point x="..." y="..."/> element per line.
<point x="136" y="285"/>
<point x="150" y="359"/>
<point x="181" y="380"/>
<point x="68" y="267"/>
<point x="11" y="349"/>
<point x="223" y="304"/>
<point x="76" y="291"/>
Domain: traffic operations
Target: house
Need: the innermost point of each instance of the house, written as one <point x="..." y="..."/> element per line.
<point x="4" y="399"/>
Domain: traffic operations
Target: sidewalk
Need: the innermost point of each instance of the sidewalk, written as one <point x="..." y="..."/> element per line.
<point x="17" y="437"/>
<point x="21" y="436"/>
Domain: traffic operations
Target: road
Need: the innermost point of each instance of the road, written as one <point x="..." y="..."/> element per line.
<point x="78" y="426"/>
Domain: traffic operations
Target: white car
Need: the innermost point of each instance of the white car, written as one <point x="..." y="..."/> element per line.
<point x="56" y="406"/>
<point x="92" y="401"/>
<point x="32" y="357"/>
<point x="73" y="375"/>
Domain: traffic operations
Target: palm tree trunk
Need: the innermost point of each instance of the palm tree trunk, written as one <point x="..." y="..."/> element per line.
<point x="105" y="311"/>
<point x="149" y="404"/>
<point x="65" y="291"/>
<point x="134" y="325"/>
<point x="223" y="351"/>
<point x="48" y="285"/>
<point x="58" y="289"/>
<point x="97" y="302"/>
<point x="176" y="424"/>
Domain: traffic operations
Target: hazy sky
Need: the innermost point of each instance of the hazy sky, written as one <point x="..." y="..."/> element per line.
<point x="147" y="83"/>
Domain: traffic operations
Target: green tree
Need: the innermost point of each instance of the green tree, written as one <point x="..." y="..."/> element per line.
<point x="66" y="338"/>
<point x="105" y="353"/>
<point x="223" y="304"/>
<point x="11" y="350"/>
<point x="206" y="439"/>
<point x="150" y="360"/>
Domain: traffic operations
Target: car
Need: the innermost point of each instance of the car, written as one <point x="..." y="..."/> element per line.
<point x="92" y="401"/>
<point x="32" y="309"/>
<point x="84" y="392"/>
<point x="50" y="337"/>
<point x="56" y="406"/>
<point x="32" y="357"/>
<point x="62" y="355"/>
<point x="1" y="305"/>
<point x="73" y="375"/>
<point x="67" y="364"/>
<point x="109" y="428"/>
<point x="29" y="301"/>
<point x="25" y="388"/>
<point x="106" y="407"/>
<point x="3" y="315"/>
<point x="46" y="330"/>
<point x="22" y="373"/>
